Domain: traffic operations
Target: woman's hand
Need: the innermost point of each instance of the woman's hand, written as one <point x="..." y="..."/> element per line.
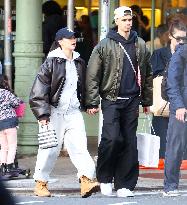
<point x="43" y="122"/>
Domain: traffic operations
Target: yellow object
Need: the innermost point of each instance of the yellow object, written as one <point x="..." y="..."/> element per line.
<point x="41" y="189"/>
<point x="88" y="187"/>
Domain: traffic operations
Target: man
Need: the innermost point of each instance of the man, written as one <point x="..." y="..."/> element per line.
<point x="177" y="127"/>
<point x="119" y="72"/>
<point x="53" y="21"/>
<point x="161" y="39"/>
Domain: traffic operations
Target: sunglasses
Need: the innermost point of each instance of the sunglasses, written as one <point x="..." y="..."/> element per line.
<point x="180" y="38"/>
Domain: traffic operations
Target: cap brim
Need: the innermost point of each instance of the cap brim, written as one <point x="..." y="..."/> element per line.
<point x="75" y="34"/>
<point x="70" y="35"/>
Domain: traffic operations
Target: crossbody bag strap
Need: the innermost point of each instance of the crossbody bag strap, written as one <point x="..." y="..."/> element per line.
<point x="137" y="75"/>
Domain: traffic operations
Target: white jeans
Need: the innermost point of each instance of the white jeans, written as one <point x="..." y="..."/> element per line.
<point x="70" y="129"/>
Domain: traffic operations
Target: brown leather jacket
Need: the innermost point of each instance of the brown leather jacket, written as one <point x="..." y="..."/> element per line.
<point x="49" y="83"/>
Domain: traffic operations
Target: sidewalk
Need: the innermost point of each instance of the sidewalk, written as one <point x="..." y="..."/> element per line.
<point x="64" y="179"/>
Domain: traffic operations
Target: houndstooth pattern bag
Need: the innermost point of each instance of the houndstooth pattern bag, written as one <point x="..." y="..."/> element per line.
<point x="47" y="137"/>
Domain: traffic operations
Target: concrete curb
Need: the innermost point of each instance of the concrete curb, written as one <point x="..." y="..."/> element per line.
<point x="30" y="191"/>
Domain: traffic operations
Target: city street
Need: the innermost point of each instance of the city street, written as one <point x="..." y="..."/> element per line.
<point x="141" y="198"/>
<point x="65" y="187"/>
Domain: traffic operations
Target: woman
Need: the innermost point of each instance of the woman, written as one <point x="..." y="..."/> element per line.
<point x="159" y="59"/>
<point x="56" y="98"/>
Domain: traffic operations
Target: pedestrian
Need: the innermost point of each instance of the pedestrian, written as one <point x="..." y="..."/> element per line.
<point x="8" y="128"/>
<point x="119" y="72"/>
<point x="1" y="68"/>
<point x="56" y="98"/>
<point x="6" y="197"/>
<point x="159" y="61"/>
<point x="177" y="127"/>
<point x="53" y="21"/>
<point x="161" y="38"/>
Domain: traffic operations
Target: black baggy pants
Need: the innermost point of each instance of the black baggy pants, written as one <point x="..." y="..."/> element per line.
<point x="117" y="152"/>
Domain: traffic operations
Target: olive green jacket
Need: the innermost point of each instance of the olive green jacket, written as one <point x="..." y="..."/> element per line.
<point x="104" y="71"/>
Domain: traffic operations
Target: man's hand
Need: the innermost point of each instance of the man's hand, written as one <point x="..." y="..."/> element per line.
<point x="146" y="110"/>
<point x="92" y="111"/>
<point x="180" y="114"/>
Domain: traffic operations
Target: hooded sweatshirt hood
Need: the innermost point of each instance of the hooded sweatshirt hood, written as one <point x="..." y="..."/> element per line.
<point x="58" y="53"/>
<point x="112" y="34"/>
<point x="128" y="85"/>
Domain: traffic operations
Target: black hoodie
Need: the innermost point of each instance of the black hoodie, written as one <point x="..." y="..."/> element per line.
<point x="128" y="85"/>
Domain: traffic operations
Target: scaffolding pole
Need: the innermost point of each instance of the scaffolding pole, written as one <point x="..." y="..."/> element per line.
<point x="7" y="41"/>
<point x="104" y="28"/>
<point x="152" y="25"/>
<point x="70" y="15"/>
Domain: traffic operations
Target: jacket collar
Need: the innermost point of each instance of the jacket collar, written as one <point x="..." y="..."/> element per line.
<point x="58" y="53"/>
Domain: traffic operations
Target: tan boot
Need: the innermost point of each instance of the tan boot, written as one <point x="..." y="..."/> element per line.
<point x="88" y="187"/>
<point x="41" y="189"/>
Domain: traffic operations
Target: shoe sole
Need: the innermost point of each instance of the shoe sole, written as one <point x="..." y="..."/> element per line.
<point x="93" y="190"/>
<point x="170" y="195"/>
<point x="108" y="195"/>
<point x="128" y="196"/>
<point x="42" y="195"/>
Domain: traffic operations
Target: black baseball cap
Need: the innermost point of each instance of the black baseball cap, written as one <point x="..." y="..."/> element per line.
<point x="64" y="33"/>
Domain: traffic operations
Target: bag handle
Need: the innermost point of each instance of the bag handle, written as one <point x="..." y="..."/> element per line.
<point x="164" y="107"/>
<point x="43" y="128"/>
<point x="150" y="124"/>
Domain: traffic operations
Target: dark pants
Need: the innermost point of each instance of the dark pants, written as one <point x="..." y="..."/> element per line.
<point x="160" y="126"/>
<point x="117" y="153"/>
<point x="175" y="147"/>
<point x="5" y="196"/>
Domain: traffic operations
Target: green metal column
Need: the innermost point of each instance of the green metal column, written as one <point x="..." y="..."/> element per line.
<point x="113" y="6"/>
<point x="28" y="57"/>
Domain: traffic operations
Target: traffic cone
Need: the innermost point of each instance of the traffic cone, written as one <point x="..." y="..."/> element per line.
<point x="183" y="165"/>
<point x="161" y="164"/>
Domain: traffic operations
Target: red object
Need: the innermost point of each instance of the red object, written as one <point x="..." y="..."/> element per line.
<point x="20" y="110"/>
<point x="161" y="165"/>
<point x="145" y="110"/>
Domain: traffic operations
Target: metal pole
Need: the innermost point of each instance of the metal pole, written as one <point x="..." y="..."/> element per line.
<point x="7" y="41"/>
<point x="89" y="7"/>
<point x="152" y="24"/>
<point x="105" y="8"/>
<point x="70" y="14"/>
<point x="104" y="23"/>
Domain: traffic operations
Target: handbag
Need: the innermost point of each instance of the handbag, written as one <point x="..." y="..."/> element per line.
<point x="148" y="146"/>
<point x="160" y="107"/>
<point x="20" y="110"/>
<point x="47" y="137"/>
